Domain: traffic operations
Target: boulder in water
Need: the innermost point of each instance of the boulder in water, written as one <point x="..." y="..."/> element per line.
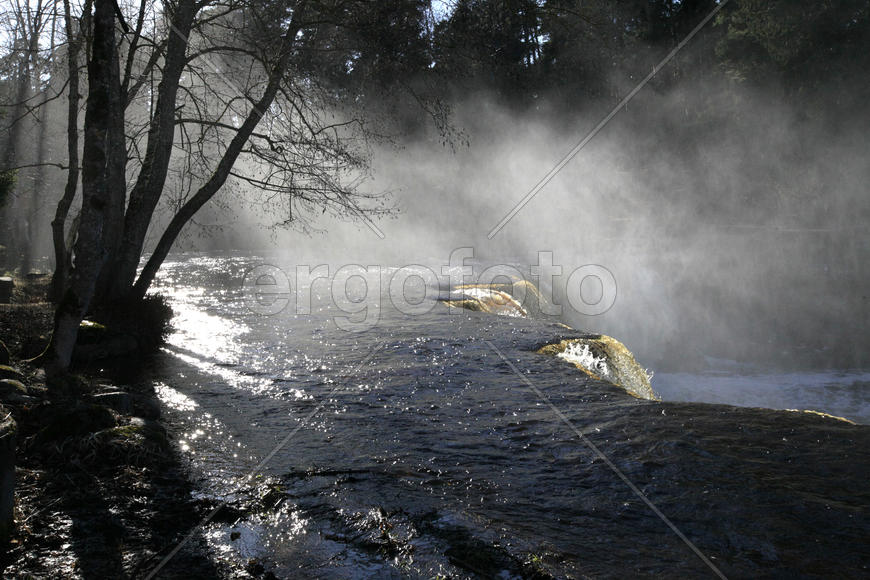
<point x="605" y="358"/>
<point x="486" y="299"/>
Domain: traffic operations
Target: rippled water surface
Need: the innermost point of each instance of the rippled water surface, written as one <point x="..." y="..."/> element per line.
<point x="411" y="449"/>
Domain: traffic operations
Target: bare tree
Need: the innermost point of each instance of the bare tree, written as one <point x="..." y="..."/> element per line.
<point x="103" y="186"/>
<point x="229" y="106"/>
<point x="62" y="253"/>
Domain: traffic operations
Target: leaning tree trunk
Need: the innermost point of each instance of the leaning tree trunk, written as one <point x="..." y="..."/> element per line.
<point x="225" y="165"/>
<point x="101" y="189"/>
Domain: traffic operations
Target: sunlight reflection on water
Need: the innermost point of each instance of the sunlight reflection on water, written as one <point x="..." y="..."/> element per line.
<point x="208" y="335"/>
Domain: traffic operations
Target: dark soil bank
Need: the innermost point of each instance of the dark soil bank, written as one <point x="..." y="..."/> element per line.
<point x="99" y="490"/>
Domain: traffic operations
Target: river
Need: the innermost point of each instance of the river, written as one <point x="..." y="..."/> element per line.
<point x="420" y="441"/>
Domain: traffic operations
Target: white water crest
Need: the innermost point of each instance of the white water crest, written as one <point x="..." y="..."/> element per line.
<point x="580" y="354"/>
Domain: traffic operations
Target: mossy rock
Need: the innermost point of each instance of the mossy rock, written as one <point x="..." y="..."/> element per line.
<point x="82" y="418"/>
<point x="7" y="372"/>
<point x="619" y="365"/>
<point x="91" y="332"/>
<point x="484" y="298"/>
<point x="137" y="443"/>
<point x="466" y="304"/>
<point x="8" y="386"/>
<point x="67" y="385"/>
<point x="143" y="430"/>
<point x="98" y="342"/>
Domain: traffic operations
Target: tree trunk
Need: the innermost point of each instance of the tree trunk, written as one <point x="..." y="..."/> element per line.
<point x="101" y="187"/>
<point x="152" y="177"/>
<point x="32" y="229"/>
<point x="225" y="165"/>
<point x="58" y="225"/>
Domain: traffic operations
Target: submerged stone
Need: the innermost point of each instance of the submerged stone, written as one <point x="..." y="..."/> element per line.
<point x="822" y="414"/>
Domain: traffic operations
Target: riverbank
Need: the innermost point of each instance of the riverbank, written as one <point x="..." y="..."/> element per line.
<point x="99" y="487"/>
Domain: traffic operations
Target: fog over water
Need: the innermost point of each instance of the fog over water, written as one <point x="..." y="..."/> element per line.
<point x="740" y="238"/>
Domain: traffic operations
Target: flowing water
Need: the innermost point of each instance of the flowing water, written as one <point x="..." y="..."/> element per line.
<point x="436" y="444"/>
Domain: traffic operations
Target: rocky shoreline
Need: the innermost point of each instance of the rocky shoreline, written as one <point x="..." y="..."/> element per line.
<point x="99" y="488"/>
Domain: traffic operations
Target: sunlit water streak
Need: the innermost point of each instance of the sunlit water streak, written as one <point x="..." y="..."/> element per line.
<point x="434" y="459"/>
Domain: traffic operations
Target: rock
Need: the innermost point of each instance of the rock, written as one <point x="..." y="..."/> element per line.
<point x="18" y="399"/>
<point x="8" y="438"/>
<point x="4" y="354"/>
<point x="129" y="403"/>
<point x="144" y="406"/>
<point x="6" y="287"/>
<point x="152" y="432"/>
<point x="38" y="391"/>
<point x="254" y="567"/>
<point x="109" y="345"/>
<point x="80" y="419"/>
<point x="7" y="372"/>
<point x="604" y="358"/>
<point x="90" y="331"/>
<point x="12" y="387"/>
<point x="118" y="400"/>
<point x="67" y="385"/>
<point x="102" y="388"/>
<point x="483" y="298"/>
